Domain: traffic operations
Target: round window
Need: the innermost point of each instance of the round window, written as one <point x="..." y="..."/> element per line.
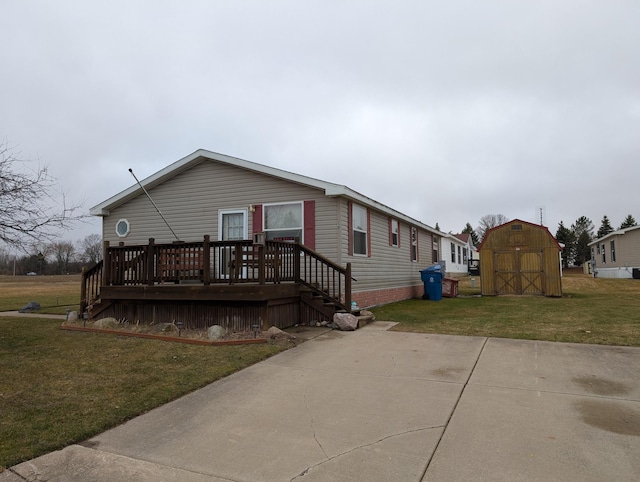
<point x="122" y="228"/>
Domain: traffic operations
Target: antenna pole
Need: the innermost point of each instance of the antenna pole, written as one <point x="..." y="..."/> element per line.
<point x="154" y="204"/>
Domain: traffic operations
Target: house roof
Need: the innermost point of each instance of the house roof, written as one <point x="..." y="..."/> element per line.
<point x="459" y="238"/>
<point x="519" y="221"/>
<point x="203" y="155"/>
<point x="619" y="232"/>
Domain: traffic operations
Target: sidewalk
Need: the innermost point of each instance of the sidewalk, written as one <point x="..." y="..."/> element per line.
<point x="375" y="405"/>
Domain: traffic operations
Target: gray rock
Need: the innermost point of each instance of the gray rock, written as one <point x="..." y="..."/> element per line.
<point x="345" y="321"/>
<point x="216" y="332"/>
<point x="106" y="323"/>
<point x="31" y="306"/>
<point x="275" y="333"/>
<point x="73" y="316"/>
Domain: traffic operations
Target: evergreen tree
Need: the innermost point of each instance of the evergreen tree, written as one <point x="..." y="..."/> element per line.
<point x="605" y="227"/>
<point x="470" y="231"/>
<point x="565" y="236"/>
<point x="583" y="231"/>
<point x="628" y="222"/>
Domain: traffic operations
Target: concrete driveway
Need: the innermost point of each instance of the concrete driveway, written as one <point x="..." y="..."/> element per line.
<point x="376" y="405"/>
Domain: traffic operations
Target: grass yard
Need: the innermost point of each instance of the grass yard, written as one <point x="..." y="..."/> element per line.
<point x="55" y="294"/>
<point x="59" y="387"/>
<point x="601" y="311"/>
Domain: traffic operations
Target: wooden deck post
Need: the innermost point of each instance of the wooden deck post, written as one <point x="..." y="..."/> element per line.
<point x="106" y="271"/>
<point x="296" y="264"/>
<point x="347" y="288"/>
<point x="262" y="265"/>
<point x="206" y="261"/>
<point x="150" y="262"/>
<point x="83" y="291"/>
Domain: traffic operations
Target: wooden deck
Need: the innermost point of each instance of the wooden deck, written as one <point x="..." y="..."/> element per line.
<point x="236" y="284"/>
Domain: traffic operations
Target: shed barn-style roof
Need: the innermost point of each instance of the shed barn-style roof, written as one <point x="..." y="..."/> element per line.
<point x="519" y="221"/>
<point x="519" y="258"/>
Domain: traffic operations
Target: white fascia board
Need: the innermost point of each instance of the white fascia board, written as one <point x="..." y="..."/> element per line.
<point x="344" y="191"/>
<point x="620" y="232"/>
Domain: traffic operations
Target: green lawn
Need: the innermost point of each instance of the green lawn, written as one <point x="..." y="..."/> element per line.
<point x="59" y="387"/>
<point x="602" y="311"/>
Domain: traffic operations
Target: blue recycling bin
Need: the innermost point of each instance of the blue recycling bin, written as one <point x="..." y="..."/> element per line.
<point x="432" y="279"/>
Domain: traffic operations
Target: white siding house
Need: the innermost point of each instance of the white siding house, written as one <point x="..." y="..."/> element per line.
<point x="457" y="251"/>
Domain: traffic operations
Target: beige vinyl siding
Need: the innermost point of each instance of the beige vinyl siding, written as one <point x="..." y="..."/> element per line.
<point x="191" y="200"/>
<point x="627" y="251"/>
<point x="388" y="266"/>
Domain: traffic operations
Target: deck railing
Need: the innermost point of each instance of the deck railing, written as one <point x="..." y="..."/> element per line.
<point x="91" y="282"/>
<point x="209" y="262"/>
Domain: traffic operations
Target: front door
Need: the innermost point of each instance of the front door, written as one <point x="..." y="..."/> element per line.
<point x="232" y="226"/>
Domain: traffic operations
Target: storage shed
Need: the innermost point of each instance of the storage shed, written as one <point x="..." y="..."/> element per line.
<point x="520" y="258"/>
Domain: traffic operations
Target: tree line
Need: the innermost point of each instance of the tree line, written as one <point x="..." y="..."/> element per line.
<point x="58" y="257"/>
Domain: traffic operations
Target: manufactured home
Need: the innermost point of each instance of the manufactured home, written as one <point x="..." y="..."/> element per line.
<point x="617" y="255"/>
<point x="457" y="254"/>
<point x="217" y="239"/>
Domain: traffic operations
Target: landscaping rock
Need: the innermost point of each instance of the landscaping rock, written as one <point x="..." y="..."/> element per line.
<point x="31" y="306"/>
<point x="106" y="323"/>
<point x="345" y="321"/>
<point x="275" y="333"/>
<point x="168" y="328"/>
<point x="73" y="316"/>
<point x="216" y="332"/>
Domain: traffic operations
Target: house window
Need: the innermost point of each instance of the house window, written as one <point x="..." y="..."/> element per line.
<point x="453" y="253"/>
<point x="359" y="219"/>
<point x="465" y="255"/>
<point x="122" y="228"/>
<point x="459" y="255"/>
<point x="604" y="260"/>
<point x="283" y="222"/>
<point x="414" y="244"/>
<point x="394" y="237"/>
<point x="613" y="251"/>
<point x="435" y="254"/>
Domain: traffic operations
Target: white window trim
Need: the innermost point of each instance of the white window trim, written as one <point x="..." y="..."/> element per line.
<point x="244" y="212"/>
<point x="126" y="221"/>
<point x="366" y="231"/>
<point x="264" y="210"/>
<point x="414" y="244"/>
<point x="396" y="232"/>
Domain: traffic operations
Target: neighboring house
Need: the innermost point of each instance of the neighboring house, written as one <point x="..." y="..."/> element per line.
<point x="457" y="252"/>
<point x="617" y="255"/>
<point x="520" y="258"/>
<point x="229" y="199"/>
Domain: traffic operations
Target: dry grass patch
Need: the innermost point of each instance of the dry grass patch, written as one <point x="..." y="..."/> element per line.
<point x="55" y="294"/>
<point x="61" y="387"/>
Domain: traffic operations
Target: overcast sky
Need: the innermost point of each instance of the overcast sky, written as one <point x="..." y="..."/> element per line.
<point x="446" y="111"/>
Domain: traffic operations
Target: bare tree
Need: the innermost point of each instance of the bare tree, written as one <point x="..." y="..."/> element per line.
<point x="91" y="249"/>
<point x="32" y="208"/>
<point x="63" y="252"/>
<point x="489" y="221"/>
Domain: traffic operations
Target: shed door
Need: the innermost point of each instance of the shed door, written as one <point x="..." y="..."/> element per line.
<point x="519" y="272"/>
